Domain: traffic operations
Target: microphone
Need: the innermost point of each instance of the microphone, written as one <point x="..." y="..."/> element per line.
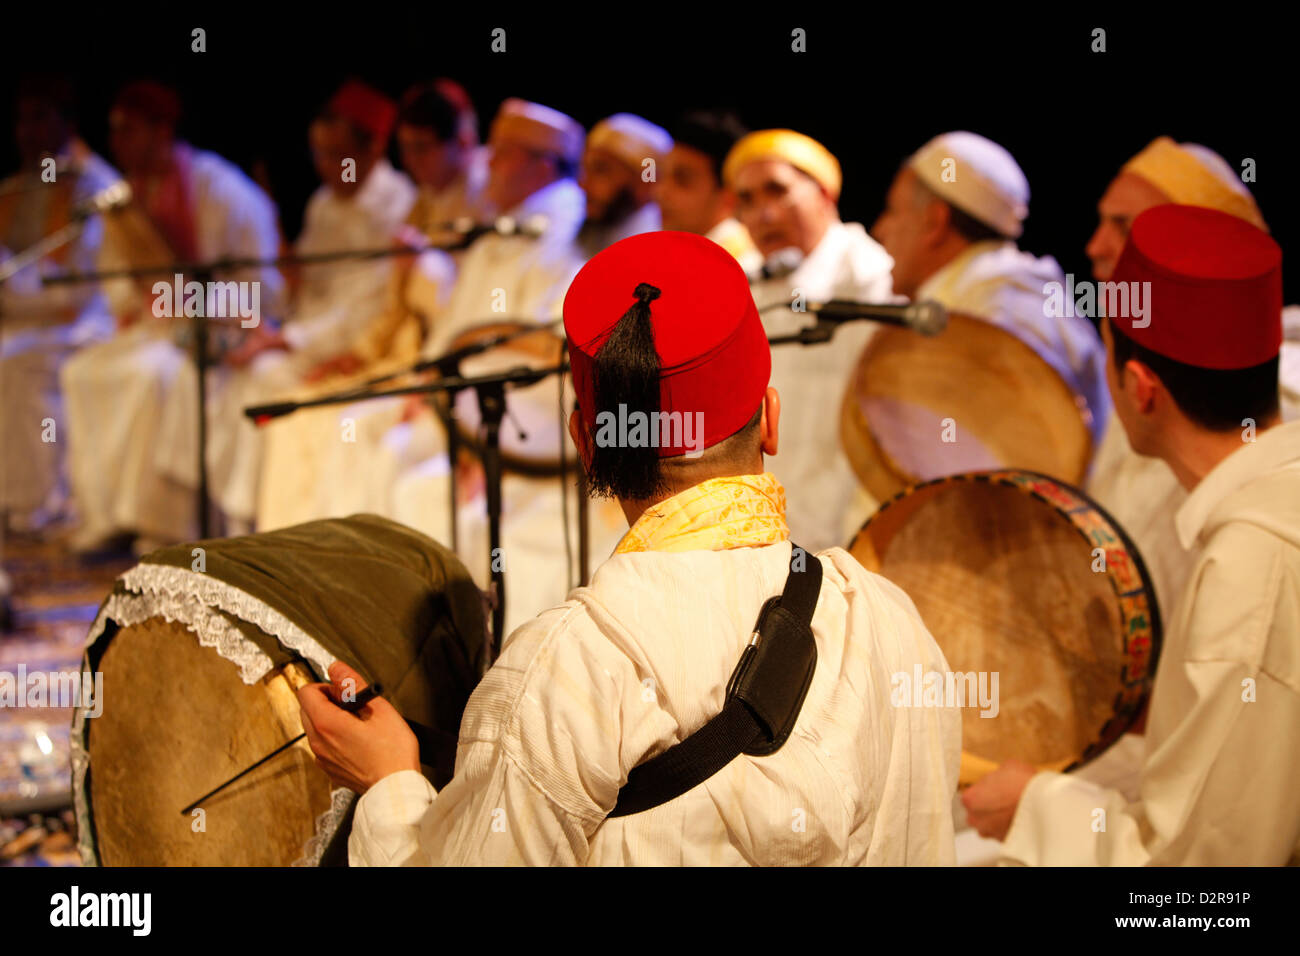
<point x="534" y="227"/>
<point x="927" y="317"/>
<point x="778" y="265"/>
<point x="111" y="197"/>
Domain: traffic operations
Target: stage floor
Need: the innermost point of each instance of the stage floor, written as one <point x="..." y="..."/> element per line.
<point x="55" y="596"/>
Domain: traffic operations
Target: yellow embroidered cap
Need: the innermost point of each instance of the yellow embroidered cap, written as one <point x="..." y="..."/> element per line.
<point x="1192" y="175"/>
<point x="802" y="152"/>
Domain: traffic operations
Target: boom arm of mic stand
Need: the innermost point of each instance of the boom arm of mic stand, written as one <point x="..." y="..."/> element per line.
<point x="814" y="334"/>
<point x="515" y="376"/>
<point x="454" y="357"/>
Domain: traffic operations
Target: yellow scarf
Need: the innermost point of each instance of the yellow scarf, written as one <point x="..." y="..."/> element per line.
<point x="738" y="511"/>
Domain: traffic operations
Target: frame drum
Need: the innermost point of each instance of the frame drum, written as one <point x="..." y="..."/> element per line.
<point x="200" y="666"/>
<point x="1019" y="575"/>
<point x="971" y="398"/>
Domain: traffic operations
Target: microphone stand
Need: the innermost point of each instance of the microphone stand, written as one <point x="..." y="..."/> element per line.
<point x="491" y="395"/>
<point x="203" y="273"/>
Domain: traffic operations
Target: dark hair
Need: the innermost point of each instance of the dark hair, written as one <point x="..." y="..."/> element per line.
<point x="50" y="89"/>
<point x="712" y="132"/>
<point x="627" y="373"/>
<point x="361" y="136"/>
<point x="1217" y="399"/>
<point x="970" y="228"/>
<point x="565" y="167"/>
<point x="432" y="106"/>
<point x="156" y="102"/>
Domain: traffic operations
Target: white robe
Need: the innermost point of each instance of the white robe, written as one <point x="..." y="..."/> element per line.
<point x="524" y="277"/>
<point x="40" y="328"/>
<point x="825" y="502"/>
<point x="535" y="510"/>
<point x="299" y="448"/>
<point x="1220" y="776"/>
<point x="118" y="392"/>
<point x="995" y="281"/>
<point x="1143" y="495"/>
<point x="638" y="661"/>
<point x="331" y="307"/>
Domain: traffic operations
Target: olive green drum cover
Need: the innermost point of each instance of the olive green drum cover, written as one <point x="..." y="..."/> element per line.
<point x="201" y="647"/>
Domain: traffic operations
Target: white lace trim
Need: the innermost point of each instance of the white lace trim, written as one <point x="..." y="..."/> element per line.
<point x="326" y="826"/>
<point x="158" y="578"/>
<point x="190" y="597"/>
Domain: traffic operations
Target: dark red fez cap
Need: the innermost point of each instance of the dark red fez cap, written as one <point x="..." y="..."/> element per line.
<point x="713" y="352"/>
<point x="366" y="107"/>
<point x="1215" y="294"/>
<point x="152" y="101"/>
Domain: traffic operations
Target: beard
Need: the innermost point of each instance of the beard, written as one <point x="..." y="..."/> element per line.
<point x="620" y="207"/>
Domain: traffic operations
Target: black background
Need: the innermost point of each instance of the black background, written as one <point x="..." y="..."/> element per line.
<point x="873" y="85"/>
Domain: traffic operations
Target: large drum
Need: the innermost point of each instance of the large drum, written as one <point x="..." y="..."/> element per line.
<point x="974" y="397"/>
<point x="535" y="432"/>
<point x="201" y="648"/>
<point x="1024" y="577"/>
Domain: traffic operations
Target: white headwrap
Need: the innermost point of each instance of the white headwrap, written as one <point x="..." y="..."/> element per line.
<point x="630" y="138"/>
<point x="977" y="176"/>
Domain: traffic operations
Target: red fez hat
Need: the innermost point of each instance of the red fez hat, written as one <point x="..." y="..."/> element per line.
<point x="152" y="101"/>
<point x="713" y="352"/>
<point x="1215" y="293"/>
<point x="366" y="107"/>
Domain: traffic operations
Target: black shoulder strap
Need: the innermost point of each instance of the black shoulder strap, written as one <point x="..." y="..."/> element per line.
<point x="764" y="696"/>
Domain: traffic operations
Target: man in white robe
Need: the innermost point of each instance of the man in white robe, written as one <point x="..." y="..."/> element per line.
<point x="620" y="171"/>
<point x="1140" y="490"/>
<point x="191" y="206"/>
<point x="951" y="220"/>
<point x="437" y="134"/>
<point x="638" y="661"/>
<point x="692" y="196"/>
<point x="42" y="325"/>
<point x="619" y="190"/>
<point x="360" y="205"/>
<point x="534" y="158"/>
<point x="1220" y="772"/>
<point x="787" y="186"/>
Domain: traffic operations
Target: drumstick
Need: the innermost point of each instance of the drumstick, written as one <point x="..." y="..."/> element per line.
<point x="351" y="706"/>
<point x="973" y="768"/>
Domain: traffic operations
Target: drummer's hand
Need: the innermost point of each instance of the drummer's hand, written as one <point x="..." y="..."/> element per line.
<point x="991" y="801"/>
<point x="355" y="750"/>
<point x="260" y="340"/>
<point x="343" y="364"/>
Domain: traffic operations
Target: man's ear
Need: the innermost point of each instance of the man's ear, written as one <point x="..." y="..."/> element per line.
<point x="768" y="425"/>
<point x="1142" y="385"/>
<point x="581" y="437"/>
<point x="937" y="216"/>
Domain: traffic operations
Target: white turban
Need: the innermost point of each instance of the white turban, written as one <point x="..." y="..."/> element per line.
<point x="630" y="138"/>
<point x="977" y="176"/>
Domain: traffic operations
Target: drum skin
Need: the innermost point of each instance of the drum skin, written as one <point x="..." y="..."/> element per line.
<point x="972" y="398"/>
<point x="1018" y="574"/>
<point x="183" y="736"/>
<point x="201" y="658"/>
